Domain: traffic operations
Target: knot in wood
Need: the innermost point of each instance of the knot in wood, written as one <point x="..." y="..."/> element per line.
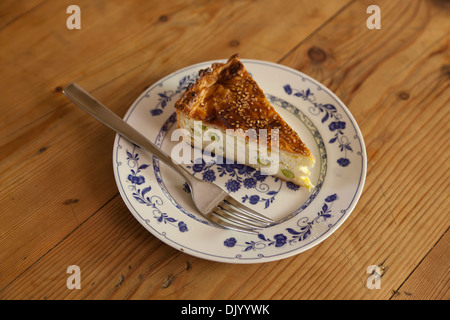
<point x="316" y="54"/>
<point x="404" y="95"/>
<point x="163" y="18"/>
<point x="234" y="43"/>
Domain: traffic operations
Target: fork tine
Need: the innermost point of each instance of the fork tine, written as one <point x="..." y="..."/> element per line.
<point x="227" y="224"/>
<point x="230" y="219"/>
<point x="237" y="219"/>
<point x="233" y="212"/>
<point x="247" y="211"/>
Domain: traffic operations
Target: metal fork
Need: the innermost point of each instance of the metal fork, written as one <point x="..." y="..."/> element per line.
<point x="210" y="200"/>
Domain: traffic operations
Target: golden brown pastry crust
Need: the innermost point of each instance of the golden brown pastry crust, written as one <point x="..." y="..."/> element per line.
<point x="226" y="96"/>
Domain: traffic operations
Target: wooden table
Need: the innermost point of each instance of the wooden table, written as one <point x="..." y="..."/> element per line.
<point x="59" y="202"/>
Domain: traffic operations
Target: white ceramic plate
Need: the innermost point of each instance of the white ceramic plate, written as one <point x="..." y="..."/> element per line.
<point x="159" y="199"/>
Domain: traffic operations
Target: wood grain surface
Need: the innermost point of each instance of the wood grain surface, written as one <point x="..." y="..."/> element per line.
<point x="59" y="202"/>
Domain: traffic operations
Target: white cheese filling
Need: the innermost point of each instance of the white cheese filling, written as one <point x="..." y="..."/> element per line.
<point x="237" y="147"/>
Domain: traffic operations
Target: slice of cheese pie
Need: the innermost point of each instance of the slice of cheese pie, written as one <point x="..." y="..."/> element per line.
<point x="232" y="107"/>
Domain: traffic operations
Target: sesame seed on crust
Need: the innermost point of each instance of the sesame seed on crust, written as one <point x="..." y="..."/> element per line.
<point x="225" y="95"/>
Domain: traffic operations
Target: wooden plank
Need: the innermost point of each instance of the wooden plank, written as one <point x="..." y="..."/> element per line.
<point x="354" y="247"/>
<point x="396" y="83"/>
<point x="153" y="270"/>
<point x="41" y="55"/>
<point x="396" y="86"/>
<point x="55" y="165"/>
<point x="318" y="273"/>
<point x="12" y="10"/>
<point x="430" y="279"/>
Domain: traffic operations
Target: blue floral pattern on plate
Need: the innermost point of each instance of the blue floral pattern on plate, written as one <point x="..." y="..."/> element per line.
<point x="329" y="111"/>
<point x="166" y="96"/>
<point x="292" y="236"/>
<point x="140" y="195"/>
<point x="240" y="177"/>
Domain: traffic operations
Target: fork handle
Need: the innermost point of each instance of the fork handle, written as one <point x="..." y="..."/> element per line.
<point x="88" y="103"/>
